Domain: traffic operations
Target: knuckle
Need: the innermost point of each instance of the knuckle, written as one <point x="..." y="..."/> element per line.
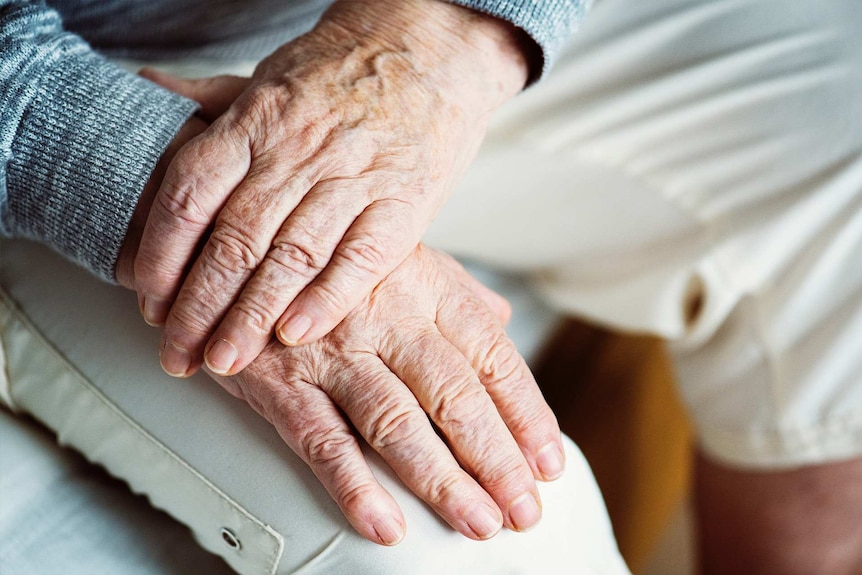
<point x="365" y="255"/>
<point x="265" y="104"/>
<point x="441" y="490"/>
<point x="502" y="361"/>
<point x="535" y="421"/>
<point x="459" y="402"/>
<point x="330" y="298"/>
<point x="177" y="201"/>
<point x="503" y="473"/>
<point x="256" y="314"/>
<point x="190" y="317"/>
<point x="232" y="250"/>
<point x="328" y="447"/>
<point x="395" y="425"/>
<point x="404" y="336"/>
<point x="352" y="495"/>
<point x="297" y="259"/>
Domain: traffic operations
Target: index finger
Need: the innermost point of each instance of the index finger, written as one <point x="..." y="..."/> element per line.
<point x="197" y="183"/>
<point x="313" y="427"/>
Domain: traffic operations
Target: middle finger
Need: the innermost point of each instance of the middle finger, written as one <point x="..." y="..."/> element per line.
<point x="301" y="248"/>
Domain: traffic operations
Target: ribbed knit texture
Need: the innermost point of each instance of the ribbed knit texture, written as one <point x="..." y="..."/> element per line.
<point x="548" y="22"/>
<point x="79" y="138"/>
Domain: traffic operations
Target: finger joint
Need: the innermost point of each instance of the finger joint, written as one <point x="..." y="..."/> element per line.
<point x="396" y="425"/>
<point x="232" y="250"/>
<point x="296" y="259"/>
<point x="365" y="256"/>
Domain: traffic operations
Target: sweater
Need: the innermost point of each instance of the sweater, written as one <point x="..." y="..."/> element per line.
<point x="80" y="136"/>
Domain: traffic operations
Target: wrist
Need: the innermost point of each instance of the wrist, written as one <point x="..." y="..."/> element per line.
<point x="440" y="38"/>
<point x="126" y="259"/>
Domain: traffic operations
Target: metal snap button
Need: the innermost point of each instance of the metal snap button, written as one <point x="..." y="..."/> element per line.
<point x="231" y="539"/>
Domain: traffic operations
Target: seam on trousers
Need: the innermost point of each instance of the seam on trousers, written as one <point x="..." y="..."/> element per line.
<point x="5" y="387"/>
<point x="11" y="309"/>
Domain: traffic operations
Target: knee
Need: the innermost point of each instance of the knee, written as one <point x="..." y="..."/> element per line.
<point x="788" y="522"/>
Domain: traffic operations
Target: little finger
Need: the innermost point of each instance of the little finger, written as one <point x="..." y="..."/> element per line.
<point x="378" y="241"/>
<point x="448" y="389"/>
<point x="472" y="328"/>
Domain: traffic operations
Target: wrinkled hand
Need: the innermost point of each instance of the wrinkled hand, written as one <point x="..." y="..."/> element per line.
<point x="411" y="348"/>
<point x="320" y="178"/>
<point x="125" y="268"/>
<point x="428" y="342"/>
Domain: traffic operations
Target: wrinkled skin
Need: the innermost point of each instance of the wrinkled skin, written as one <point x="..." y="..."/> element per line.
<point x="427" y="342"/>
<point x="422" y="345"/>
<point x="320" y="178"/>
<point x="427" y="345"/>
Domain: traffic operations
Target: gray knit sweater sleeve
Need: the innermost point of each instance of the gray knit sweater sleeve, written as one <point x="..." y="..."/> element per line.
<point x="548" y="22"/>
<point x="79" y="138"/>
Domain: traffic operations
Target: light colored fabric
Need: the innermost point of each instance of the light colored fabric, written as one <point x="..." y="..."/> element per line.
<point x="80" y="360"/>
<point x="60" y="515"/>
<point x="693" y="169"/>
<point x="51" y="389"/>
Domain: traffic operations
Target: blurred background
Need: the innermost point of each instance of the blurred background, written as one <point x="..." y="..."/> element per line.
<point x="614" y="396"/>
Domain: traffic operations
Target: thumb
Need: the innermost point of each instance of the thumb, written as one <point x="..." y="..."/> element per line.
<point x="214" y="94"/>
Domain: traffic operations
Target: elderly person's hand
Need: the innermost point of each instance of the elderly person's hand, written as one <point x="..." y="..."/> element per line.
<point x="424" y="353"/>
<point x="424" y="372"/>
<point x="320" y="178"/>
<point x="424" y="345"/>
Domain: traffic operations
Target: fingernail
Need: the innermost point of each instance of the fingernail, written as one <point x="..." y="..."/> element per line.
<point x="175" y="360"/>
<point x="524" y="512"/>
<point x="484" y="521"/>
<point x="293" y="330"/>
<point x="550" y="461"/>
<point x="221" y="356"/>
<point x="389" y="530"/>
<point x="155" y="310"/>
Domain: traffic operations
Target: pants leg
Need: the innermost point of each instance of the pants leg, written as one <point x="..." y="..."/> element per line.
<point x="59" y="515"/>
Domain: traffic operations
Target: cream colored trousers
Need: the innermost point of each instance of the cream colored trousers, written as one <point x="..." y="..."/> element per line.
<point x="78" y="358"/>
<point x="690" y="168"/>
<point x="693" y="169"/>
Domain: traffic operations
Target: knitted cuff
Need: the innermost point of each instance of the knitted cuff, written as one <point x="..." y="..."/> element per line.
<point x="548" y="22"/>
<point x="86" y="145"/>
